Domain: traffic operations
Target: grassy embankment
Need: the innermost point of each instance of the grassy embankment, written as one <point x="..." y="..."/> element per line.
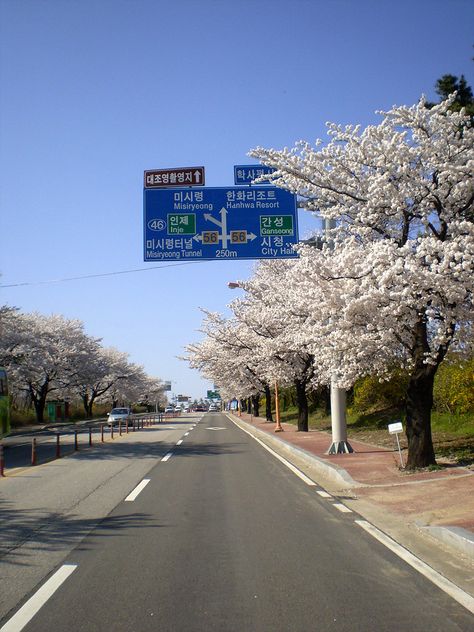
<point x="453" y="435"/>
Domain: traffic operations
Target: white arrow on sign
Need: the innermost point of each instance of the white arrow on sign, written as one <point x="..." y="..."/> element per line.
<point x="197" y="175"/>
<point x="222" y="224"/>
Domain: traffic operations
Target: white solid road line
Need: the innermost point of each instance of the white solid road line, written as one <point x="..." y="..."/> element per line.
<point x="289" y="465"/>
<point x="33" y="605"/>
<point x="448" y="587"/>
<point x="140" y="487"/>
<point x="166" y="457"/>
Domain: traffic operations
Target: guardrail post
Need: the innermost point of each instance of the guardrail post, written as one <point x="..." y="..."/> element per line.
<point x="33" y="451"/>
<point x="126" y="427"/>
<point x="90" y="435"/>
<point x="58" y="446"/>
<point x="120" y="427"/>
<point x="2" y="461"/>
<point x="133" y="425"/>
<point x="112" y="430"/>
<point x="76" y="445"/>
<point x="102" y="433"/>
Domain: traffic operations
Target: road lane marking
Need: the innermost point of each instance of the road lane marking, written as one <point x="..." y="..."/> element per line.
<point x="140" y="487"/>
<point x="167" y="457"/>
<point x="342" y="508"/>
<point x="37" y="601"/>
<point x="324" y="494"/>
<point x="180" y="442"/>
<point x="289" y="465"/>
<point x="448" y="587"/>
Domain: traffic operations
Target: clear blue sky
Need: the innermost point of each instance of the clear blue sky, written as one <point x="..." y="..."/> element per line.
<point x="93" y="92"/>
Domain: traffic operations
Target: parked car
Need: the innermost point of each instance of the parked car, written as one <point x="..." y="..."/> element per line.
<point x="213" y="408"/>
<point x="169" y="409"/>
<point x="119" y="414"/>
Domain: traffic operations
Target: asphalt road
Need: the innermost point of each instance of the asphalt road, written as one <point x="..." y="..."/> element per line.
<point x="223" y="536"/>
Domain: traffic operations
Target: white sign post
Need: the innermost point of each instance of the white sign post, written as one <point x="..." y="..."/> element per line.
<point x="395" y="429"/>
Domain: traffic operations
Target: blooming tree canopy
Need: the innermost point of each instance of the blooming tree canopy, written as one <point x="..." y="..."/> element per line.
<point x="401" y="273"/>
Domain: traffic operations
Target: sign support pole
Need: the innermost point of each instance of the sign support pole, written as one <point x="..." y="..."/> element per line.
<point x="339" y="444"/>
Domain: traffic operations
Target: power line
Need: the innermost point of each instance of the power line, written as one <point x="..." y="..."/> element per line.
<point x="95" y="276"/>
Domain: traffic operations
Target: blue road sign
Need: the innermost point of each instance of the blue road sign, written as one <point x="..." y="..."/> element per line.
<point x="219" y="223"/>
<point x="244" y="174"/>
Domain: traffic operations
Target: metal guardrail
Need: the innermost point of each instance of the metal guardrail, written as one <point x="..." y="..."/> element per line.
<point x="69" y="437"/>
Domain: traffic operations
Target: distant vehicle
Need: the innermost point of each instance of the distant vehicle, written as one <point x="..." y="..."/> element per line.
<point x="199" y="409"/>
<point x="213" y="408"/>
<point x="169" y="409"/>
<point x="119" y="414"/>
<point x="186" y="409"/>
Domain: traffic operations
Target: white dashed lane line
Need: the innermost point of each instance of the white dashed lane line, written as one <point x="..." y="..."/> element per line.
<point x="140" y="487"/>
<point x="323" y="494"/>
<point x="167" y="457"/>
<point x="37" y="601"/>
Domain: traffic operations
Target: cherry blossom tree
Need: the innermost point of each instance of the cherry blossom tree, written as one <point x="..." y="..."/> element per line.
<point x="285" y="353"/>
<point x="227" y="357"/>
<point x="107" y="367"/>
<point x="42" y="353"/>
<point x="52" y="354"/>
<point x="398" y="288"/>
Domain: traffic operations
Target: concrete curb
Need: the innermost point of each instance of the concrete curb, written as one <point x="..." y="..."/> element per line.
<point x="456" y="537"/>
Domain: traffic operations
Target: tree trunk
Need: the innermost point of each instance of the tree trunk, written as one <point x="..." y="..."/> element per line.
<point x="85" y="403"/>
<point x="419" y="402"/>
<point x="268" y="403"/>
<point x="256" y="405"/>
<point x="302" y="402"/>
<point x="326" y="393"/>
<point x="39" y="400"/>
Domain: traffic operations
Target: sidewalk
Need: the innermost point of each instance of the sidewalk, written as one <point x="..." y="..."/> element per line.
<point x="441" y="502"/>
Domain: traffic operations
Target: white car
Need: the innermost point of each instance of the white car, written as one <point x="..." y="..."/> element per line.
<point x="213" y="408"/>
<point x="119" y="414"/>
<point x="169" y="409"/>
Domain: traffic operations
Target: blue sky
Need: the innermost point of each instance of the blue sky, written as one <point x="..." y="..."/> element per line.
<point x="93" y="92"/>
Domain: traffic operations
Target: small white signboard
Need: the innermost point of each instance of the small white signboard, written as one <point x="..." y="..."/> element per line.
<point x="396" y="427"/>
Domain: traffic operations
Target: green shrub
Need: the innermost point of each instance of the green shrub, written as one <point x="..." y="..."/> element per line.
<point x="454" y="387"/>
<point x="372" y="394"/>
